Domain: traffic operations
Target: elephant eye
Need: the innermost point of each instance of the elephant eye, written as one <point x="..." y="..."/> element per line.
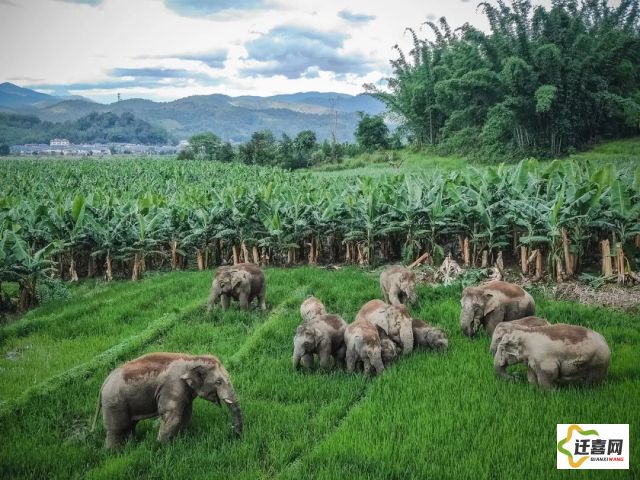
<point x="219" y="381"/>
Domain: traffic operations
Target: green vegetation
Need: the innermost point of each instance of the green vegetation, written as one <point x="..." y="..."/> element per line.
<point x="428" y="416"/>
<point x="541" y="82"/>
<point x="122" y="217"/>
<point x="93" y="128"/>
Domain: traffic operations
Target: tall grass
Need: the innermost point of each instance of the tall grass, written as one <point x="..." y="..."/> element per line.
<point x="429" y="415"/>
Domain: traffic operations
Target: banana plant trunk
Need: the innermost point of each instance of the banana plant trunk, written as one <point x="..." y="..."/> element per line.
<point x="524" y="259"/>
<point x="73" y="273"/>
<point x="466" y="251"/>
<point x="607" y="267"/>
<point x="620" y="263"/>
<point x="27" y="297"/>
<point x="136" y="273"/>
<point x="200" y="259"/>
<point x="108" y="268"/>
<point x="234" y="249"/>
<point x="245" y="252"/>
<point x="256" y="257"/>
<point x="568" y="261"/>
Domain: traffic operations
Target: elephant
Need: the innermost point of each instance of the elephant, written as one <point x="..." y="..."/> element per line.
<point x="324" y="336"/>
<point x="492" y="303"/>
<point x="389" y="351"/>
<point x="398" y="285"/>
<point x="554" y="354"/>
<point x="507" y="327"/>
<point x="394" y="320"/>
<point x="242" y="282"/>
<point x="362" y="339"/>
<point x="429" y="337"/>
<point x="162" y="385"/>
<point x="311" y="308"/>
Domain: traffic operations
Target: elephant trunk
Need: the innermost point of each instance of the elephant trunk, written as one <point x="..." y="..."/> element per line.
<point x="298" y="352"/>
<point x="467" y="323"/>
<point x="406" y="338"/>
<point x="236" y="417"/>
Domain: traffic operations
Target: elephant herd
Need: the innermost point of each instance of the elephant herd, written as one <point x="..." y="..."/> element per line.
<point x="164" y="385"/>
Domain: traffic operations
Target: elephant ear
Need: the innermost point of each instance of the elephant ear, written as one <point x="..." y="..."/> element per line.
<point x="508" y="349"/>
<point x="490" y="303"/>
<point x="194" y="377"/>
<point x="236" y="280"/>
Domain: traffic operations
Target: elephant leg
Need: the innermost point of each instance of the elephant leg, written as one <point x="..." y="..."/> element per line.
<point x="262" y="298"/>
<point x="367" y="367"/>
<point x="119" y="427"/>
<point x="115" y="438"/>
<point x="307" y="361"/>
<point x="532" y="377"/>
<point x="351" y="358"/>
<point x="170" y="425"/>
<point x="340" y="356"/>
<point x="325" y="357"/>
<point x="385" y="295"/>
<point x="186" y="416"/>
<point x="548" y="375"/>
<point x="244" y="301"/>
<point x="225" y="301"/>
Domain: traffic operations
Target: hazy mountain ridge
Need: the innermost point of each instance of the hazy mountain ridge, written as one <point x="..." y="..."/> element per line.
<point x="232" y="118"/>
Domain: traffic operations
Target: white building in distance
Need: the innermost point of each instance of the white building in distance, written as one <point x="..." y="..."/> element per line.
<point x="58" y="142"/>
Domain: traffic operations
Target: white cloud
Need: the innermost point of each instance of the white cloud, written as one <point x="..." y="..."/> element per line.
<point x="60" y="44"/>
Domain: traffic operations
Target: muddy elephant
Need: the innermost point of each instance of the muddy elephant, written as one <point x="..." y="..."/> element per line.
<point x="504" y="328"/>
<point x="163" y="385"/>
<point x="398" y="285"/>
<point x="554" y="354"/>
<point x="389" y="351"/>
<point x="362" y="340"/>
<point x="428" y="337"/>
<point x="242" y="282"/>
<point x="324" y="336"/>
<point x="311" y="308"/>
<point x="394" y="320"/>
<point x="491" y="303"/>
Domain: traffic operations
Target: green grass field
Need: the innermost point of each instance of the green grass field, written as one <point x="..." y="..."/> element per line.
<point x="428" y="416"/>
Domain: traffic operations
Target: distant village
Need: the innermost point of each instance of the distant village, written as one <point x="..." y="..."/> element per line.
<point x="62" y="146"/>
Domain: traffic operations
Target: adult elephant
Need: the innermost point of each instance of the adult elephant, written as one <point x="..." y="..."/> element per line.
<point x="491" y="303"/>
<point x="242" y="282"/>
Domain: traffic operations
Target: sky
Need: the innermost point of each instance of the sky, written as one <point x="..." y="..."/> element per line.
<point x="168" y="49"/>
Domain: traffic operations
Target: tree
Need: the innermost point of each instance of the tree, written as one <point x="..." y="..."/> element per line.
<point x="260" y="150"/>
<point x="541" y="81"/>
<point x="205" y="146"/>
<point x="372" y="133"/>
<point x="4" y="150"/>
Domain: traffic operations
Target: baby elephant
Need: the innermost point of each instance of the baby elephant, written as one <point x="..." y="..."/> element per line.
<point x="491" y="303"/>
<point x="362" y="339"/>
<point x="311" y="308"/>
<point x="507" y="327"/>
<point x="242" y="282"/>
<point x="163" y="385"/>
<point x="555" y="354"/>
<point x="324" y="336"/>
<point x="429" y="337"/>
<point x="398" y="285"/>
<point x="389" y="351"/>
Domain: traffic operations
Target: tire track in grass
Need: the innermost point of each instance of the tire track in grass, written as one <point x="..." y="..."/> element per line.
<point x="111" y="356"/>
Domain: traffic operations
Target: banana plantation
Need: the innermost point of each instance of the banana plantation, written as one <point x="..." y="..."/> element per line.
<point x="120" y="218"/>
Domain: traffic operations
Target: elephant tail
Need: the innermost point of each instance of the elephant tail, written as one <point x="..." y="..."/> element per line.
<point x="98" y="408"/>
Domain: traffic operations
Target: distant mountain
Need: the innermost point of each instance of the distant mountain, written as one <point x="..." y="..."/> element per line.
<point x="14" y="96"/>
<point x="231" y="118"/>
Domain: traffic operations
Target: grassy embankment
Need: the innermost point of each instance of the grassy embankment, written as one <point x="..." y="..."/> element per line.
<point x="429" y="415"/>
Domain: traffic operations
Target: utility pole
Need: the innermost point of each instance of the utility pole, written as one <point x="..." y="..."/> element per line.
<point x="119" y="97"/>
